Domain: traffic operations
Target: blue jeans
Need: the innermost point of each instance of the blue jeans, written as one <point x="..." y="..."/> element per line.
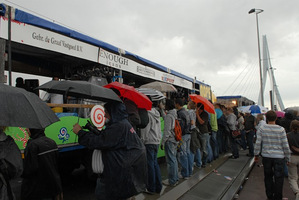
<point x="243" y="140"/>
<point x="210" y="152"/>
<point x="203" y="141"/>
<point x="185" y="157"/>
<point x="285" y="170"/>
<point x="234" y="147"/>
<point x="214" y="145"/>
<point x="250" y="136"/>
<point x="154" y="174"/>
<point x="274" y="177"/>
<point x="219" y="140"/>
<point x="172" y="163"/>
<point x="225" y="140"/>
<point x="196" y="158"/>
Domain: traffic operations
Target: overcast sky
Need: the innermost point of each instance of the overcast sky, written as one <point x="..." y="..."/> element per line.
<point x="212" y="40"/>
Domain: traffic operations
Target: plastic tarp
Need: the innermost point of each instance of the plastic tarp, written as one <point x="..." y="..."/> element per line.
<point x="228" y="97"/>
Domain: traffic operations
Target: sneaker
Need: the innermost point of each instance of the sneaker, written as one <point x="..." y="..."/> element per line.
<point x="166" y="183"/>
<point x="249" y="155"/>
<point x="149" y="192"/>
<point x="233" y="157"/>
<point x="181" y="177"/>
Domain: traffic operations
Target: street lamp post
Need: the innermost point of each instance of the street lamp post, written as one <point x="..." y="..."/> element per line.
<point x="258" y="11"/>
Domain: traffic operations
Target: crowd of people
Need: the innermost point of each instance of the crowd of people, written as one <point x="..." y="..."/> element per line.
<point x="129" y="149"/>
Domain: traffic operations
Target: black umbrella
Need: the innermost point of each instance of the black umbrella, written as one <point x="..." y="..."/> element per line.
<point x="80" y="89"/>
<point x="20" y="108"/>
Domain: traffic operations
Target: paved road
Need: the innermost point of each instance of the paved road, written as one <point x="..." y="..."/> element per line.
<point x="254" y="187"/>
<point x="75" y="187"/>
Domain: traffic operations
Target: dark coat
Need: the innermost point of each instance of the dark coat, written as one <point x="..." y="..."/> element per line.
<point x="124" y="155"/>
<point x="11" y="166"/>
<point x="195" y="142"/>
<point x="41" y="177"/>
<point x="285" y="122"/>
<point x="293" y="139"/>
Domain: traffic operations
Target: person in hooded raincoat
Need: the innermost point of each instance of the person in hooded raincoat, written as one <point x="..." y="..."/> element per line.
<point x="11" y="164"/>
<point x="123" y="155"/>
<point x="41" y="179"/>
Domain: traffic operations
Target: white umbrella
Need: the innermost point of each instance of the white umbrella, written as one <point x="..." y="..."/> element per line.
<point x="161" y="86"/>
<point x="154" y="94"/>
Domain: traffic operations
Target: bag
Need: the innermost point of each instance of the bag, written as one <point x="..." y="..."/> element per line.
<point x="236" y="133"/>
<point x="177" y="130"/>
<point x="185" y="121"/>
<point x="97" y="163"/>
<point x="144" y="119"/>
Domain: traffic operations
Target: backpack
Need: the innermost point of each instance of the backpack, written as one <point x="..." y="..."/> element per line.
<point x="185" y="121"/>
<point x="144" y="120"/>
<point x="177" y="130"/>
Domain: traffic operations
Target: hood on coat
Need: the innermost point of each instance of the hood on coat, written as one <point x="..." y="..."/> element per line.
<point x="154" y="114"/>
<point x="173" y="112"/>
<point x="35" y="133"/>
<point x="117" y="111"/>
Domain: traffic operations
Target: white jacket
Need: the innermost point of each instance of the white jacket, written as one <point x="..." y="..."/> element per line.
<point x="151" y="134"/>
<point x="169" y="123"/>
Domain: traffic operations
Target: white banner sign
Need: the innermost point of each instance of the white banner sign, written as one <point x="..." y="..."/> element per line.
<point x="117" y="61"/>
<point x="49" y="40"/>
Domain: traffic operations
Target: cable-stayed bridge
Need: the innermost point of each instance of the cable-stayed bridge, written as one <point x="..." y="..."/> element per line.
<point x="247" y="82"/>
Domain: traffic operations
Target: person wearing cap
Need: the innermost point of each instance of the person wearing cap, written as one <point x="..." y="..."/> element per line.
<point x="249" y="128"/>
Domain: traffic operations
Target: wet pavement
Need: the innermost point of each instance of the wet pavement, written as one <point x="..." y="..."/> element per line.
<point x="253" y="187"/>
<point x="216" y="181"/>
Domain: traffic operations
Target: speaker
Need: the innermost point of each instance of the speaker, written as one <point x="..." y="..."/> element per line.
<point x="31" y="84"/>
<point x="98" y="80"/>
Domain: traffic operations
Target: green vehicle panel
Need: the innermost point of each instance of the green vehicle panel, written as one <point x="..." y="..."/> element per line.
<point x="62" y="133"/>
